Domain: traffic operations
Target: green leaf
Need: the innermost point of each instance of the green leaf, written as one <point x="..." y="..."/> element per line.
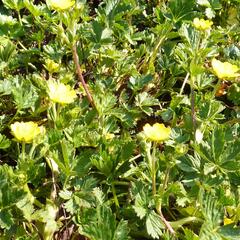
<point x="208" y="233"/>
<point x="6" y="219"/>
<point x="233" y="93"/>
<point x="218" y="142"/>
<point x="10" y="188"/>
<point x="220" y="151"/>
<point x="212" y="211"/>
<point x="137" y="83"/>
<point x="189" y="163"/>
<point x="14" y="4"/>
<point x="34" y="9"/>
<point x="189" y="235"/>
<point x="81" y="163"/>
<point x="181" y="9"/>
<point x="140" y="211"/>
<point x="144" y="101"/>
<point x="26" y="207"/>
<point x="5" y="87"/>
<point x="210" y="110"/>
<point x="24" y="94"/>
<point x="83" y="196"/>
<point x="142" y="199"/>
<point x="230" y="158"/>
<point x="65" y="194"/>
<point x="154" y="225"/>
<point x="101" y="34"/>
<point x="4" y="142"/>
<point x="85" y="136"/>
<point x="213" y="214"/>
<point x="47" y="216"/>
<point x="104" y="162"/>
<point x="191" y="36"/>
<point x="7" y="51"/>
<point x="229" y="232"/>
<point x="122" y="230"/>
<point x="102" y="225"/>
<point x="215" y="4"/>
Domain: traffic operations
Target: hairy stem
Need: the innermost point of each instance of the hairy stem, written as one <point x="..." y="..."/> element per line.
<point x="154" y="190"/>
<point x="166" y="223"/>
<point x="80" y="76"/>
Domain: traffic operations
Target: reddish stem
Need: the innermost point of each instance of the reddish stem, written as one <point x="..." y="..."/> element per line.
<point x="80" y="75"/>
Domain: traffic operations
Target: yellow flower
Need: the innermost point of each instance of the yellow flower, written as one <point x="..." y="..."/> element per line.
<point x="227" y="220"/>
<point x="224" y="69"/>
<point x="158" y="132"/>
<point x="26" y="131"/>
<point x="202" y="24"/>
<point x="61" y="5"/>
<point x="60" y="93"/>
<point x="109" y="136"/>
<point x="51" y="66"/>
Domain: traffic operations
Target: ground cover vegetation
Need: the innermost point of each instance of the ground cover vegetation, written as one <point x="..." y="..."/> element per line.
<point x="119" y="119"/>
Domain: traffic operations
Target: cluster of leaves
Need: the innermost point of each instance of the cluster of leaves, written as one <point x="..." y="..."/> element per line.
<point x="91" y="175"/>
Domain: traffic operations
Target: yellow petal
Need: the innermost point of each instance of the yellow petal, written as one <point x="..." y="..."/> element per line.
<point x="61" y="5"/>
<point x="202" y="24"/>
<point x="158" y="132"/>
<point x="61" y="93"/>
<point x="224" y="69"/>
<point x="25" y="131"/>
<point x="227" y="221"/>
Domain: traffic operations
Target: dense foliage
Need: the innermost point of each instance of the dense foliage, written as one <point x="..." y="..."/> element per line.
<point x="119" y="119"/>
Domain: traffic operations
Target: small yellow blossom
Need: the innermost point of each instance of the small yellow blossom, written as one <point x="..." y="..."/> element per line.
<point x="202" y="24"/>
<point x="26" y="131"/>
<point x="61" y="5"/>
<point x="60" y="93"/>
<point x="227" y="220"/>
<point x="51" y="66"/>
<point x="224" y="70"/>
<point x="158" y="132"/>
<point x="109" y="136"/>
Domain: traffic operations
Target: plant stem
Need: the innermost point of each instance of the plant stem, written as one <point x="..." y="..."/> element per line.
<point x="159" y="205"/>
<point x="23" y="150"/>
<point x="32" y="150"/>
<point x="54" y="114"/>
<point x="115" y="196"/>
<point x="23" y="47"/>
<point x="154" y="190"/>
<point x="19" y="17"/>
<point x="184" y="83"/>
<point x="177" y="224"/>
<point x="166" y="177"/>
<point x="193" y="113"/>
<point x="166" y="223"/>
<point x="31" y="197"/>
<point x="121" y="183"/>
<point x="80" y="76"/>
